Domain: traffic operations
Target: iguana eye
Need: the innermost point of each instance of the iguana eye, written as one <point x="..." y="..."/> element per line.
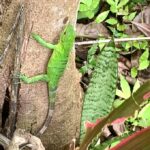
<point x="65" y="20"/>
<point x="64" y="32"/>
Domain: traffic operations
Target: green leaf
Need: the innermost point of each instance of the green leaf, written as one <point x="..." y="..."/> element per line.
<point x="121" y="27"/>
<point x="84" y="69"/>
<point x="110" y="2"/>
<point x="125" y="87"/>
<point x="85" y="14"/>
<point x="117" y="1"/>
<point x="117" y="103"/>
<point x="136" y="86"/>
<point x="136" y="44"/>
<point x="89" y="14"/>
<point x="81" y="15"/>
<point x="137" y="141"/>
<point x="134" y="72"/>
<point x="122" y="11"/>
<point x="87" y="2"/>
<point x="122" y="3"/>
<point x="95" y="4"/>
<point x="143" y="61"/>
<point x="113" y="9"/>
<point x="127" y="45"/>
<point x="129" y="17"/>
<point x="144" y="114"/>
<point x="101" y="17"/>
<point x="145" y="55"/>
<point x="125" y="110"/>
<point x="83" y="7"/>
<point x="143" y="65"/>
<point x="120" y="94"/>
<point x="88" y="8"/>
<point x="101" y="44"/>
<point x="112" y="21"/>
<point x="91" y="52"/>
<point x="101" y="91"/>
<point x="144" y="45"/>
<point x="110" y="142"/>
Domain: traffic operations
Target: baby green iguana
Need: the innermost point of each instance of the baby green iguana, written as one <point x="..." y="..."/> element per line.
<point x="55" y="68"/>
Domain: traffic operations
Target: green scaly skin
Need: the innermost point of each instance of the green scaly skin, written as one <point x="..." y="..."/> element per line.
<point x="55" y="68"/>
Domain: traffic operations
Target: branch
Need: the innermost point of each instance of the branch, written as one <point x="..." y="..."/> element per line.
<point x="115" y="40"/>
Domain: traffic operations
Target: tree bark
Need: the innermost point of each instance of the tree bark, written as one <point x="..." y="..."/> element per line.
<point x="48" y="19"/>
<point x="8" y="11"/>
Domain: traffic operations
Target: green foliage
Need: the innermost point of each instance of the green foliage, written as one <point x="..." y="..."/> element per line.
<point x="126" y="109"/>
<point x="121" y="27"/>
<point x="88" y="8"/>
<point x="117" y="8"/>
<point x="129" y="17"/>
<point x="138" y="141"/>
<point x="116" y="5"/>
<point x="136" y="86"/>
<point x="112" y="21"/>
<point x="91" y="61"/>
<point x="133" y="72"/>
<point x="101" y="91"/>
<point x="125" y="91"/>
<point x="142" y="118"/>
<point x="143" y="61"/>
<point x="110" y="143"/>
<point x="95" y="106"/>
<point x="117" y="103"/>
<point x="135" y="2"/>
<point x="101" y="17"/>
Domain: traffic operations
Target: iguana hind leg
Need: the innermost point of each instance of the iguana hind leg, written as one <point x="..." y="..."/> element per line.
<point x="34" y="79"/>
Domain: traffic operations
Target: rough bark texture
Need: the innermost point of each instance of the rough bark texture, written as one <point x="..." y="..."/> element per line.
<point x="8" y="14"/>
<point x="48" y="17"/>
<point x="48" y="20"/>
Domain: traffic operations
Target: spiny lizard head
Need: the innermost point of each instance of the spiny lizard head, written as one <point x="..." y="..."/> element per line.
<point x="68" y="37"/>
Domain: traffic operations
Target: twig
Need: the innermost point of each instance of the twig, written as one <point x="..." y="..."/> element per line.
<point x="26" y="41"/>
<point x="11" y="122"/>
<point x="11" y="34"/>
<point x="4" y="141"/>
<point x="21" y="136"/>
<point x="115" y="40"/>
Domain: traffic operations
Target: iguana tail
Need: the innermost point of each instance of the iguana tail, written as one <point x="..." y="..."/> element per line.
<point x="51" y="106"/>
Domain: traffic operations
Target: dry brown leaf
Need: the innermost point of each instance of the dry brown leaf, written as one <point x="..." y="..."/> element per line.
<point x="142" y="22"/>
<point x="91" y="30"/>
<point x="143" y="27"/>
<point x="143" y="16"/>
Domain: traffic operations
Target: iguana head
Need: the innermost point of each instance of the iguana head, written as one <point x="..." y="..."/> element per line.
<point x="68" y="37"/>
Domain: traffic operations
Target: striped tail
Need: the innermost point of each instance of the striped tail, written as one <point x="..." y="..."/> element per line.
<point x="51" y="106"/>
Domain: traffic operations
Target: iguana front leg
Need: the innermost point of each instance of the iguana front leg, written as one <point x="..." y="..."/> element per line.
<point x="42" y="42"/>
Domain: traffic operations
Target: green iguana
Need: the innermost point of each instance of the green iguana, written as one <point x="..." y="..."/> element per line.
<point x="55" y="68"/>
